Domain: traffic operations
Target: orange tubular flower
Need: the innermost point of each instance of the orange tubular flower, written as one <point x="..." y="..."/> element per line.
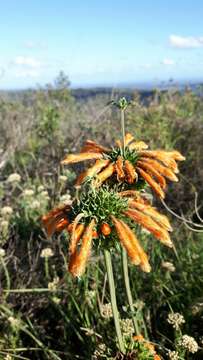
<point x="131" y="174"/>
<point x="98" y="212"/>
<point x="78" y="260"/>
<point x="128" y="240"/>
<point x="56" y="220"/>
<point x="105" y="229"/>
<point x="148" y="345"/>
<point x="130" y="166"/>
<point x="119" y="169"/>
<point x="149" y="224"/>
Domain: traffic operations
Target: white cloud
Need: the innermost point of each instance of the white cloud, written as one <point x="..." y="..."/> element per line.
<point x="147" y="66"/>
<point x="2" y="72"/>
<point x="27" y="61"/>
<point x="168" y="62"/>
<point x="187" y="42"/>
<point x="35" y="44"/>
<point x="30" y="73"/>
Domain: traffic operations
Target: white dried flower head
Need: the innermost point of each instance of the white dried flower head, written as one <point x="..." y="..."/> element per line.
<point x="87" y="331"/>
<point x="8" y="357"/>
<point x="46" y="253"/>
<point x="4" y="224"/>
<point x="173" y="355"/>
<point x="40" y="188"/>
<point x="90" y="296"/>
<point x="176" y="320"/>
<point x="195" y="256"/>
<point x="13" y="178"/>
<point x="62" y="178"/>
<point x="53" y="284"/>
<point x="106" y="311"/>
<point x="6" y="211"/>
<point x="66" y="199"/>
<point x="2" y="252"/>
<point x="56" y="300"/>
<point x="28" y="192"/>
<point x="15" y="323"/>
<point x="102" y="347"/>
<point x="139" y="304"/>
<point x="35" y="205"/>
<point x="99" y="352"/>
<point x="189" y="343"/>
<point x="168" y="266"/>
<point x="44" y="193"/>
<point x="127" y="327"/>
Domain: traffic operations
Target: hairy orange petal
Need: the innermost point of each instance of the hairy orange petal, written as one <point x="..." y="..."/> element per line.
<point x="150" y="225"/>
<point x="157" y="357"/>
<point x="78" y="260"/>
<point x="55" y="220"/>
<point x="138" y="146"/>
<point x="162" y="156"/>
<point x="128" y="240"/>
<point x="95" y="169"/>
<point x="176" y="155"/>
<point x="131" y="174"/>
<point x="128" y="139"/>
<point x="162" y="220"/>
<point x="129" y="193"/>
<point x="156" y="187"/>
<point x="62" y="224"/>
<point x="144" y="263"/>
<point x="92" y="146"/>
<point x="75" y="158"/>
<point x="119" y="168"/>
<point x="153" y="172"/>
<point x="168" y="173"/>
<point x="105" y="174"/>
<point x="105" y="229"/>
<point x="76" y="237"/>
<point x="139" y="338"/>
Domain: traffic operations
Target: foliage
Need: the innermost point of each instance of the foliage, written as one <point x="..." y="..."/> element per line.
<point x="44" y="314"/>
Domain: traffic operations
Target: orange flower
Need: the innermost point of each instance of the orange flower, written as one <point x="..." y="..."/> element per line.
<point x="119" y="169"/>
<point x="75" y="158"/>
<point x="148" y="345"/>
<point x="78" y="260"/>
<point x="128" y="240"/>
<point x="148" y="223"/>
<point x="135" y="163"/>
<point x="84" y="228"/>
<point x="105" y="229"/>
<point x="131" y="174"/>
<point x="56" y="220"/>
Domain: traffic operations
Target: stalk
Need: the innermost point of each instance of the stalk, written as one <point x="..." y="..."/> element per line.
<point x="128" y="290"/>
<point x="123" y="129"/>
<point x="8" y="281"/>
<point x="110" y="276"/>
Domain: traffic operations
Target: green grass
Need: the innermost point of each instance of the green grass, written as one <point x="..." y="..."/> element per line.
<point x="64" y="320"/>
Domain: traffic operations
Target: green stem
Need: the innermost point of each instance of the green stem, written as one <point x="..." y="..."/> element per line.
<point x="123" y="129"/>
<point x="46" y="263"/>
<point x="8" y="282"/>
<point x="128" y="290"/>
<point x="109" y="269"/>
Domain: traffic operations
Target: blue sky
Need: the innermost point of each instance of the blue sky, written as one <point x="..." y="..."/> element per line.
<point x="104" y="42"/>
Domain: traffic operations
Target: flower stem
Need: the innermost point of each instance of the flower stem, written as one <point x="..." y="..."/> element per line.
<point x="46" y="263"/>
<point x="8" y="281"/>
<point x="123" y="129"/>
<point x="110" y="276"/>
<point x="128" y="290"/>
